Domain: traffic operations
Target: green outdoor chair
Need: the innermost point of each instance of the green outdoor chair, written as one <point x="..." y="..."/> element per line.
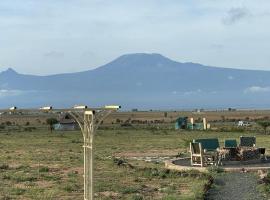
<point x="246" y="141"/>
<point x="230" y="143"/>
<point x="209" y="149"/>
<point x="209" y="144"/>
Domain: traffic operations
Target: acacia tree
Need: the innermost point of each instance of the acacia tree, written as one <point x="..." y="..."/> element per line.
<point x="51" y="122"/>
<point x="264" y="125"/>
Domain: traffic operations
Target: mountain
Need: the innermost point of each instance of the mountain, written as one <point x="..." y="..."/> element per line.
<point x="144" y="81"/>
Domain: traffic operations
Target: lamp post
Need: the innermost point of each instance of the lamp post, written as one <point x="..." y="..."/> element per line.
<point x="89" y="123"/>
<point x="89" y="120"/>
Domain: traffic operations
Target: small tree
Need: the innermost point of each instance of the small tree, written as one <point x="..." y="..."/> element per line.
<point x="8" y="123"/>
<point x="51" y="122"/>
<point x="264" y="125"/>
<point x="165" y="114"/>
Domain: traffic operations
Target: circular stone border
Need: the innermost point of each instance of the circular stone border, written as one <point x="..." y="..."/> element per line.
<point x="234" y="166"/>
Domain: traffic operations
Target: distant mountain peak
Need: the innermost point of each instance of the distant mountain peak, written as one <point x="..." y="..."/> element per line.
<point x="139" y="60"/>
<point x="143" y="56"/>
<point x="9" y="71"/>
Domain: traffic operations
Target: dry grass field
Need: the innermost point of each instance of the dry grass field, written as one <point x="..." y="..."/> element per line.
<point x="172" y="115"/>
<point x="41" y="165"/>
<point x="37" y="164"/>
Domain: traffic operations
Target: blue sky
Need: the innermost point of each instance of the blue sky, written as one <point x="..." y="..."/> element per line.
<point x="55" y="36"/>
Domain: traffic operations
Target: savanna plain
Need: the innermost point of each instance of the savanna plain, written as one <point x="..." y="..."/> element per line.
<point x="129" y="150"/>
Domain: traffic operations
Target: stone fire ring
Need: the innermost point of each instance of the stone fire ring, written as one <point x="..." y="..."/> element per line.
<point x="183" y="164"/>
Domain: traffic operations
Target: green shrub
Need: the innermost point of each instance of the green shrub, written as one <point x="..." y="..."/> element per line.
<point x="50" y="178"/>
<point x="4" y="166"/>
<point x="44" y="169"/>
<point x="29" y="129"/>
<point x="22" y="178"/>
<point x="129" y="190"/>
<point x="18" y="191"/>
<point x="8" y="123"/>
<point x="71" y="187"/>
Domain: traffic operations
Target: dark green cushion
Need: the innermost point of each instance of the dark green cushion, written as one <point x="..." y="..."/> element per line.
<point x="230" y="143"/>
<point x="246" y="141"/>
<point x="209" y="144"/>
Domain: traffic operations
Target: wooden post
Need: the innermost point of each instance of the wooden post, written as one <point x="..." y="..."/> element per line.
<point x="204" y="124"/>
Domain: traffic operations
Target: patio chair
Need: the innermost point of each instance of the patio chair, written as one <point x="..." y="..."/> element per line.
<point x="231" y="146"/>
<point x="230" y="143"/>
<point x="209" y="144"/>
<point x="196" y="154"/>
<point x="209" y="149"/>
<point x="246" y="141"/>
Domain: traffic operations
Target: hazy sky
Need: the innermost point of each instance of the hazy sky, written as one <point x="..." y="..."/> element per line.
<point x="53" y="36"/>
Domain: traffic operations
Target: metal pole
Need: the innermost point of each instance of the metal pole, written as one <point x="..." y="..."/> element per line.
<point x="84" y="154"/>
<point x="88" y="155"/>
<point x="86" y="124"/>
<point x="90" y="126"/>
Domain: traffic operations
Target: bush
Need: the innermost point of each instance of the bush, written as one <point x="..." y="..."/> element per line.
<point x="24" y="178"/>
<point x="18" y="191"/>
<point x="4" y="166"/>
<point x="29" y="129"/>
<point x="264" y="125"/>
<point x="44" y="169"/>
<point x="51" y="122"/>
<point x="129" y="190"/>
<point x="77" y="141"/>
<point x="8" y="123"/>
<point x="71" y="187"/>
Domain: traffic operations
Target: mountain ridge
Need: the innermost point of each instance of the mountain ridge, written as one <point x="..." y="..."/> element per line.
<point x="132" y="56"/>
<point x="141" y="80"/>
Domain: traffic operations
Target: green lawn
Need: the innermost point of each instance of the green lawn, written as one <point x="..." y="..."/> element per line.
<point x="40" y="165"/>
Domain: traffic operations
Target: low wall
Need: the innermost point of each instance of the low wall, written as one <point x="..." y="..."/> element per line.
<point x="183" y="164"/>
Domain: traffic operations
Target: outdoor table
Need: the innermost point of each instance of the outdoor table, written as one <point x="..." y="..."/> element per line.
<point x="249" y="153"/>
<point x="233" y="151"/>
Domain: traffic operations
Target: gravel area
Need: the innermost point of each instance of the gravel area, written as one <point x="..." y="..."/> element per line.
<point x="235" y="186"/>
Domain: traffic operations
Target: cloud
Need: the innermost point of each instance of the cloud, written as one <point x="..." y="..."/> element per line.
<point x="235" y="14"/>
<point x="54" y="54"/>
<point x="7" y="93"/>
<point x="192" y="92"/>
<point x="257" y="89"/>
<point x="45" y="37"/>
